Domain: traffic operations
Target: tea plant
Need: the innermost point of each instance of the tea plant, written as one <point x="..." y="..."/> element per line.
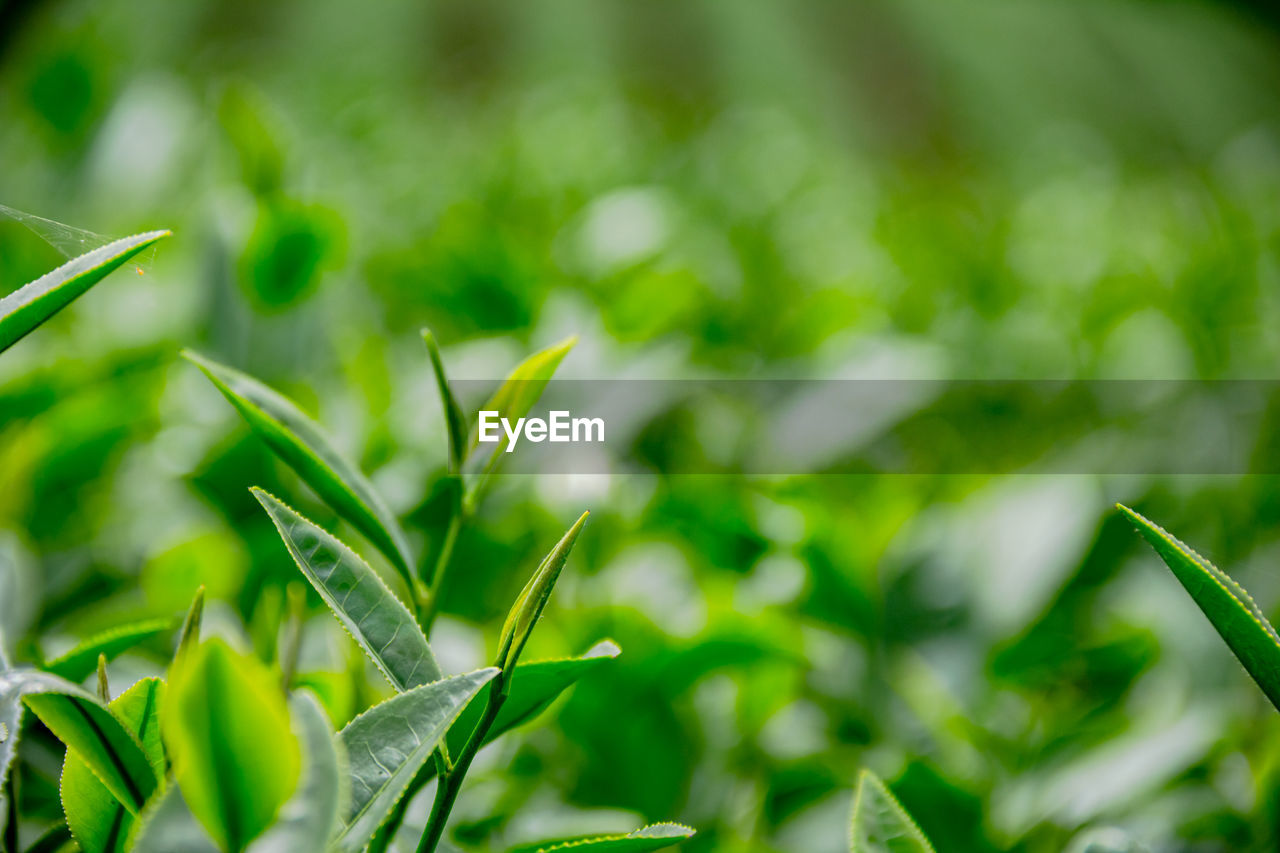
<point x="227" y="753"/>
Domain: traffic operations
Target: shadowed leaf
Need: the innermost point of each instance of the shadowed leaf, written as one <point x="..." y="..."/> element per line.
<point x="880" y="823"/>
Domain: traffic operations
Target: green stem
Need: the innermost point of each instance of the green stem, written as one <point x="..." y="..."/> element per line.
<point x="435" y="583"/>
<point x="451" y="783"/>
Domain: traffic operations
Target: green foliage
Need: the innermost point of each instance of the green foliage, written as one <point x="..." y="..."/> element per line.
<point x="656" y="837"/>
<point x="29" y="306"/>
<point x="101" y="739"/>
<point x="227" y="732"/>
<point x="390" y="742"/>
<point x="455" y="420"/>
<point x="358" y="598"/>
<point x="100" y="822"/>
<point x="533" y="598"/>
<point x="1231" y="609"/>
<point x="78" y="662"/>
<point x="302" y="444"/>
<point x="880" y="824"/>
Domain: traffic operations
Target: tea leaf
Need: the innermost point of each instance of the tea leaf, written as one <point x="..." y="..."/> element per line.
<point x="57" y="839"/>
<point x="189" y="636"/>
<point x="310" y="817"/>
<point x="97" y="819"/>
<point x="455" y="420"/>
<point x="32" y="304"/>
<point x="88" y="727"/>
<point x="1227" y="605"/>
<point x="168" y="826"/>
<point x="226" y="728"/>
<point x="390" y="742"/>
<point x="533" y="598"/>
<point x="658" y="836"/>
<point x="880" y="823"/>
<point x="533" y="687"/>
<point x="304" y="447"/>
<point x="78" y="663"/>
<point x="519" y="392"/>
<point x="10" y="721"/>
<point x="364" y="605"/>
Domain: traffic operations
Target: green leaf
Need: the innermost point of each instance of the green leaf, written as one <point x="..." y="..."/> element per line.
<point x="387" y="745"/>
<point x="79" y="663"/>
<point x="656" y="837"/>
<point x="167" y="826"/>
<point x="519" y="392"/>
<point x="226" y="729"/>
<point x="455" y="421"/>
<point x="880" y="823"/>
<point x="380" y="623"/>
<point x="533" y="598"/>
<point x="189" y="636"/>
<point x="100" y="823"/>
<point x="30" y="305"/>
<point x="88" y="727"/>
<point x="10" y="725"/>
<point x="533" y="687"/>
<point x="1231" y="610"/>
<point x="310" y="817"/>
<point x="304" y="447"/>
<point x="56" y="839"/>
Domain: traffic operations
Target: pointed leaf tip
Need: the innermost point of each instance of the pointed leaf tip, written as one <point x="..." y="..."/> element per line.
<point x="533" y="598"/>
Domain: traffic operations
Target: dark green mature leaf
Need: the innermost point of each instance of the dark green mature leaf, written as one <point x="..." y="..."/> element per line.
<point x="390" y="742"/>
<point x="10" y="725"/>
<point x="226" y="729"/>
<point x="659" y="836"/>
<point x="533" y="687"/>
<point x="32" y="304"/>
<point x="362" y="602"/>
<point x="533" y="598"/>
<point x="880" y="823"/>
<point x="519" y="392"/>
<point x="168" y="826"/>
<point x="303" y="445"/>
<point x="100" y="823"/>
<point x="79" y="662"/>
<point x="88" y="727"/>
<point x="455" y="420"/>
<point x="56" y="839"/>
<point x="310" y="817"/>
<point x="1231" y="610"/>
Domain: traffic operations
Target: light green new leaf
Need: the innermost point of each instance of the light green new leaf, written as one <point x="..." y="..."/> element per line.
<point x="167" y="826"/>
<point x="455" y="421"/>
<point x="389" y="743"/>
<point x="659" y="836"/>
<point x="97" y="819"/>
<point x="1231" y="610"/>
<point x="880" y="823"/>
<point x="78" y="663"/>
<point x="304" y="447"/>
<point x="32" y="304"/>
<point x="226" y="729"/>
<point x="88" y="727"/>
<point x="533" y="598"/>
<point x="533" y="687"/>
<point x="189" y="636"/>
<point x="310" y="817"/>
<point x="519" y="392"/>
<point x="357" y="596"/>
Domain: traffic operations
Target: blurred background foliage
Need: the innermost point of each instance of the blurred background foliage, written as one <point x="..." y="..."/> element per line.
<point x="903" y="188"/>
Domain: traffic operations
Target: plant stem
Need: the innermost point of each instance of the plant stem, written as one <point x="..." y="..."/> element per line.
<point x="451" y="783"/>
<point x="435" y="583"/>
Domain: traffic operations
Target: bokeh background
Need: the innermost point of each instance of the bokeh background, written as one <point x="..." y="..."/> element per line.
<point x="895" y="189"/>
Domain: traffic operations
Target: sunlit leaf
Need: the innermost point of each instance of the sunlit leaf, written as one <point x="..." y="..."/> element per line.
<point x="227" y="731"/>
<point x="389" y="743"/>
<point x="100" y="823"/>
<point x="533" y="687"/>
<point x="78" y="719"/>
<point x="303" y="445"/>
<point x="310" y="817"/>
<point x="30" y="305"/>
<point x="533" y="598"/>
<point x="357" y="596"/>
<point x="189" y="635"/>
<point x="1229" y="607"/>
<point x="519" y="392"/>
<point x="79" y="662"/>
<point x="880" y="823"/>
<point x="659" y="836"/>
